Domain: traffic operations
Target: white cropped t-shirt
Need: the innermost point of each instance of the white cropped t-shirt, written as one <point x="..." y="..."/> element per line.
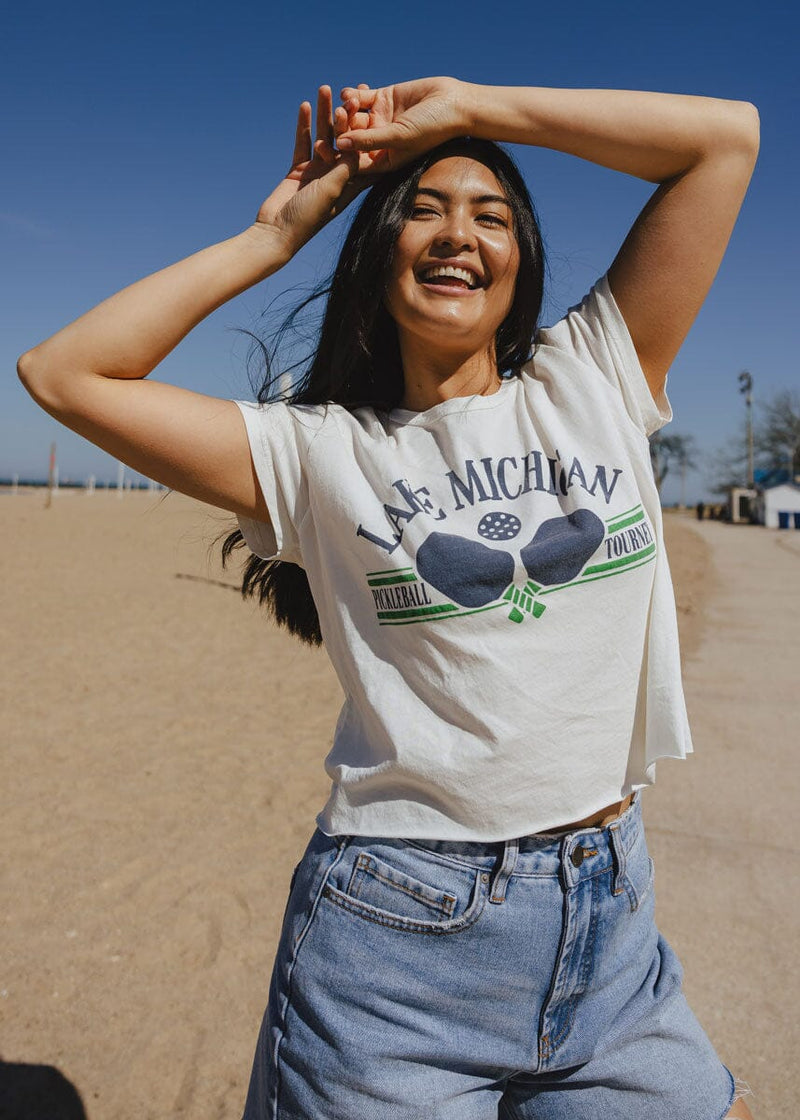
<point x="492" y="588"/>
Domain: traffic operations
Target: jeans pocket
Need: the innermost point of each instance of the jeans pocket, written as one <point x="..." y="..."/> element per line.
<point x="289" y="893"/>
<point x="393" y="884"/>
<point x="294" y="876"/>
<point x="639" y="875"/>
<point x="383" y="886"/>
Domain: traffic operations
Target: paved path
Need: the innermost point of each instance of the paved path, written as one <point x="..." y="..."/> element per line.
<point x="722" y="826"/>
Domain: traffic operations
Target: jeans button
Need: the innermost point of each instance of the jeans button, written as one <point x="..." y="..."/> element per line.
<point x="577" y="856"/>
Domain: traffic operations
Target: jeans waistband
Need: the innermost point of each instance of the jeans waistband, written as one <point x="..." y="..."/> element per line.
<point x="580" y="854"/>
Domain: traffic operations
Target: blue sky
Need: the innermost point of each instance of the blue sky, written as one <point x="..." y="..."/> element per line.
<point x="133" y="136"/>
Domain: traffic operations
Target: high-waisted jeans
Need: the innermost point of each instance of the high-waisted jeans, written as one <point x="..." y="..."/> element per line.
<point x="445" y="980"/>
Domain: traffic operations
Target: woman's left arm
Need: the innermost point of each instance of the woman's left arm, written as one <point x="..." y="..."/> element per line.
<point x="700" y="150"/>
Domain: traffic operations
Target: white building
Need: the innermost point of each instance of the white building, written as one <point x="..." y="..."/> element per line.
<point x="741" y="503"/>
<point x="778" y="507"/>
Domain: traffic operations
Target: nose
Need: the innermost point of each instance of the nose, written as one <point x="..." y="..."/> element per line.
<point x="455" y="234"/>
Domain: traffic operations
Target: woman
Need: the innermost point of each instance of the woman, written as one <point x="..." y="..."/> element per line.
<point x="470" y="932"/>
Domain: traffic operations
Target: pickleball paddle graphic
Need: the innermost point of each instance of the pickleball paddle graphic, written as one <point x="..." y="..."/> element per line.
<point x="468" y="572"/>
<point x="499" y="526"/>
<point x="562" y="546"/>
<point x="474" y="575"/>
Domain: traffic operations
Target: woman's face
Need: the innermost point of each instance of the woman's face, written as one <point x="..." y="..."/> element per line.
<point x="455" y="262"/>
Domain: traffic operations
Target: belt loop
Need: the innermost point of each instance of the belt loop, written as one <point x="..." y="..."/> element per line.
<point x="510" y="853"/>
<point x="618" y="855"/>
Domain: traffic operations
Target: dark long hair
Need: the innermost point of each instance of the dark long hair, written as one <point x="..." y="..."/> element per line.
<point x="356" y="362"/>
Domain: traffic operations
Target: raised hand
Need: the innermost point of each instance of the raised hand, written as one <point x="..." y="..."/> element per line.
<point x="396" y="123"/>
<point x="320" y="183"/>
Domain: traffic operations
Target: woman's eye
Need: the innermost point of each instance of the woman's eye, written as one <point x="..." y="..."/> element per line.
<point x="493" y="220"/>
<point x="422" y="212"/>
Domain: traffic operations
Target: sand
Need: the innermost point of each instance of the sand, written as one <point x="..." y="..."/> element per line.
<point x="162" y="767"/>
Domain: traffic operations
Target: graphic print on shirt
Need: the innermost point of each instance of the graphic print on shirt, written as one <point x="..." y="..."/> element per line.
<point x="566" y="550"/>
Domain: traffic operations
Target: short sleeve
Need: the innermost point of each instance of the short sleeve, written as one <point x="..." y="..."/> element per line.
<point x="595" y="332"/>
<point x="280" y="436"/>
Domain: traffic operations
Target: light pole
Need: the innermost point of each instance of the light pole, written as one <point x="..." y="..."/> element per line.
<point x="746" y="387"/>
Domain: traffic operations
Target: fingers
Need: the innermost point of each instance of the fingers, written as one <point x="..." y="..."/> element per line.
<point x="358" y="99"/>
<point x="323" y="145"/>
<point x="302" y="136"/>
<point x="357" y="102"/>
<point x="340" y="122"/>
<point x="369" y="120"/>
<point x="340" y="128"/>
<point x="365" y="139"/>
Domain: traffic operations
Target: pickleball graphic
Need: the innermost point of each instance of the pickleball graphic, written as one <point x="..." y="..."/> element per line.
<point x="562" y="546"/>
<point x="499" y="526"/>
<point x="480" y="577"/>
<point x="473" y="574"/>
<point x="468" y="572"/>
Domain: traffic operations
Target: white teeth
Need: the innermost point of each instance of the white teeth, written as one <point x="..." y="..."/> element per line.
<point x="465" y="274"/>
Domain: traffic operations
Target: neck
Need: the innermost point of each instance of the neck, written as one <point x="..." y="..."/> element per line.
<point x="430" y="378"/>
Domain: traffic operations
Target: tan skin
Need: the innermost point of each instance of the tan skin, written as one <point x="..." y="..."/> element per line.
<point x="699" y="151"/>
<point x="445" y="328"/>
<point x="93" y="374"/>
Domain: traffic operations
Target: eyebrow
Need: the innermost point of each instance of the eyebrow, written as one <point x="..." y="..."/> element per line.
<point x="479" y="199"/>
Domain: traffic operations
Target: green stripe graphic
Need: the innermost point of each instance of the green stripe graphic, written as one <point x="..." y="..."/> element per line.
<point x="453" y="612"/>
<point x="521" y="601"/>
<point x="628" y="521"/>
<point x="622" y="562"/>
<point x="604" y="575"/>
<point x="624" y="513"/>
<point x="415" y="612"/>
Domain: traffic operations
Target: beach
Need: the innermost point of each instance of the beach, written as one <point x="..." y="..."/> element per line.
<point x="163" y="747"/>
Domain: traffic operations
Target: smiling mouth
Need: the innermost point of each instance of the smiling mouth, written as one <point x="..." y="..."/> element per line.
<point x="451" y="277"/>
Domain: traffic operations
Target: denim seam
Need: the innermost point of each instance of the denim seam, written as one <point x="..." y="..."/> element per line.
<point x="588" y="949"/>
<point x="510" y="1106"/>
<point x="624" y="825"/>
<point x="297" y="944"/>
<point x="453" y="861"/>
<point x="461" y="865"/>
<point x="636" y="898"/>
<point x="547" y="1044"/>
<point x="450" y="900"/>
<point x="553" y="1044"/>
<point x="583" y="974"/>
<point x="619" y="856"/>
<point x="407" y="925"/>
<point x="732" y="1097"/>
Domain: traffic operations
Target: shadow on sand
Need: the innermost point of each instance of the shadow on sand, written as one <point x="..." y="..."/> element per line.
<point x="29" y="1092"/>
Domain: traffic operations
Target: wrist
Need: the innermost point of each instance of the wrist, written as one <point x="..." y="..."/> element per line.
<point x="468" y="101"/>
<point x="507" y="114"/>
<point x="482" y="102"/>
<point x="273" y="247"/>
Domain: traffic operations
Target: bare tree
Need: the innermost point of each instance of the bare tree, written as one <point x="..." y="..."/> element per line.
<point x="777" y="435"/>
<point x="727" y="466"/>
<point x="777" y="444"/>
<point x="667" y="451"/>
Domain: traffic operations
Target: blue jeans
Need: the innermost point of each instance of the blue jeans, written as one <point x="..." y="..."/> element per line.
<point x="449" y="980"/>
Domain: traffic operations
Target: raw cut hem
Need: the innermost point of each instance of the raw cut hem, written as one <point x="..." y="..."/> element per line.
<point x="739" y="1089"/>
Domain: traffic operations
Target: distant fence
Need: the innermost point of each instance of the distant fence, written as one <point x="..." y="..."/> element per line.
<point x="77" y="484"/>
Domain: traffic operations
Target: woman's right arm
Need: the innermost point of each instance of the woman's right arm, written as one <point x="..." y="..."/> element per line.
<point x="91" y="375"/>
